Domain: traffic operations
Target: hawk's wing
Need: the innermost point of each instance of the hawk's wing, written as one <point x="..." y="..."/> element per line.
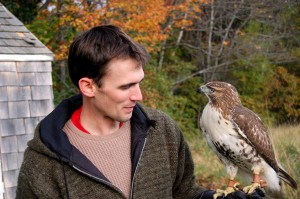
<point x="250" y="126"/>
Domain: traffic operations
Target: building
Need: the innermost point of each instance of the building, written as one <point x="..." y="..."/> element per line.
<point x="26" y="94"/>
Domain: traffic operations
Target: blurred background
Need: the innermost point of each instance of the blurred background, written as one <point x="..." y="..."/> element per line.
<point x="252" y="44"/>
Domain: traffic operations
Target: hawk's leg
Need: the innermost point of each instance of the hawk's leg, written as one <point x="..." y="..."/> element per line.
<point x="231" y="170"/>
<point x="231" y="187"/>
<point x="256" y="183"/>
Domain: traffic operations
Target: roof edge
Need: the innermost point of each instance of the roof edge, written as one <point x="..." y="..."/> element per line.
<point x="18" y="57"/>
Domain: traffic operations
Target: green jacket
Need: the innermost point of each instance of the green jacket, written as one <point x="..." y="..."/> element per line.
<point x="161" y="161"/>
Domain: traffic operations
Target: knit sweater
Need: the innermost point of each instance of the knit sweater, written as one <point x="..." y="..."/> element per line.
<point x="162" y="165"/>
<point x="109" y="153"/>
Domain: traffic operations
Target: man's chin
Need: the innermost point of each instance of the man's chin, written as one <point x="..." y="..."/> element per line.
<point x="125" y="118"/>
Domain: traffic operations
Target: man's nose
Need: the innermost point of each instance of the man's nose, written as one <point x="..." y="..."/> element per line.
<point x="137" y="93"/>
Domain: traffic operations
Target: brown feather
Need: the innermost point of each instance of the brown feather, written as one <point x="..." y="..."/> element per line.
<point x="257" y="134"/>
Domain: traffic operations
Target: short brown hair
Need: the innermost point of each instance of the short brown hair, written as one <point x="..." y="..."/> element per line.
<point x="92" y="50"/>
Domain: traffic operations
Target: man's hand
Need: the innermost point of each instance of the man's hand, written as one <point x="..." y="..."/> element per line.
<point x="257" y="194"/>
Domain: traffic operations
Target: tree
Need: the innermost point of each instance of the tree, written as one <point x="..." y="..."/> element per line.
<point x="221" y="34"/>
<point x="24" y="10"/>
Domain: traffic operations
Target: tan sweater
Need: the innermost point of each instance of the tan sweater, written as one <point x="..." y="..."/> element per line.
<point x="109" y="153"/>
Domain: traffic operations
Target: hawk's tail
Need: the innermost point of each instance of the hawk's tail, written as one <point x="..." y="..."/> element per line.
<point x="287" y="178"/>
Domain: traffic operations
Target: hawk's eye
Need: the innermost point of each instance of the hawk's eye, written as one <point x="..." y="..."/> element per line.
<point x="212" y="90"/>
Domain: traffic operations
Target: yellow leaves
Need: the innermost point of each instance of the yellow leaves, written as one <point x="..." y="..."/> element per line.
<point x="226" y="42"/>
<point x="61" y="52"/>
<point x="239" y="32"/>
<point x="142" y="20"/>
<point x="149" y="22"/>
<point x="71" y="18"/>
<point x="80" y="17"/>
<point x="186" y="13"/>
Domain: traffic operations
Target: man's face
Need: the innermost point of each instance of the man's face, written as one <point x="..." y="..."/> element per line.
<point x="120" y="90"/>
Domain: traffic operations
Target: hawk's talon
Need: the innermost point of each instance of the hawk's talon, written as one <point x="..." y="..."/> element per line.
<point x="228" y="190"/>
<point x="236" y="186"/>
<point x="251" y="188"/>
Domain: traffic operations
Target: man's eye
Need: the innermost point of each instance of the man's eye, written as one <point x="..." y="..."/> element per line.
<point x="125" y="87"/>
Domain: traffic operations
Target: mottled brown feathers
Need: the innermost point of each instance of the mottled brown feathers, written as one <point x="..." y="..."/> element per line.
<point x="256" y="133"/>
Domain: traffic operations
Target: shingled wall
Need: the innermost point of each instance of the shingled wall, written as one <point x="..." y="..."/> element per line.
<point x="26" y="95"/>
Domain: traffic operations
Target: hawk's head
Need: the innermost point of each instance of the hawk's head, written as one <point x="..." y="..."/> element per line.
<point x="221" y="94"/>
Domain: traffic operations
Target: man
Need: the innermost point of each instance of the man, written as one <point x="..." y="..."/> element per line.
<point x="101" y="143"/>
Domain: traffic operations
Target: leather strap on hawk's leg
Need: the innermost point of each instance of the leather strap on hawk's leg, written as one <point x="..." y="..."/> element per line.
<point x="231" y="183"/>
<point x="257" y="179"/>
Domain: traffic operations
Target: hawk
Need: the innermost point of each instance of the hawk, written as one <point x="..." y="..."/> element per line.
<point x="240" y="140"/>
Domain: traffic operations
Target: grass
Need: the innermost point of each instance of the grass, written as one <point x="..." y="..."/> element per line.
<point x="286" y="140"/>
<point x="210" y="172"/>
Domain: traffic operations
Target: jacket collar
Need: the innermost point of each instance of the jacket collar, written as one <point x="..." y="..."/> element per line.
<point x="57" y="141"/>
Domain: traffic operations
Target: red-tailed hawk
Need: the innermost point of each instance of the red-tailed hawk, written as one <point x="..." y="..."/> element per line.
<point x="240" y="140"/>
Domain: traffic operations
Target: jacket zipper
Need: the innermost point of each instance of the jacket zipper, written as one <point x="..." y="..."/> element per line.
<point x="100" y="180"/>
<point x="131" y="189"/>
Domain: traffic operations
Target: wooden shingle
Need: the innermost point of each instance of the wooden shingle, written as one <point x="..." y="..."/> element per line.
<point x="19" y="93"/>
<point x="12" y="127"/>
<point x="43" y="79"/>
<point x="10" y="177"/>
<point x="27" y="66"/>
<point x="9" y="161"/>
<point x="40" y="108"/>
<point x="22" y="144"/>
<point x="41" y="92"/>
<point x="27" y="79"/>
<point x="9" y="79"/>
<point x="3" y="110"/>
<point x="10" y="192"/>
<point x="18" y="109"/>
<point x="8" y="67"/>
<point x="30" y="124"/>
<point x="3" y="96"/>
<point x="9" y="144"/>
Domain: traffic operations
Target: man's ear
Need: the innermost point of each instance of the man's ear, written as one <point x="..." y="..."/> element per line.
<point x="87" y="86"/>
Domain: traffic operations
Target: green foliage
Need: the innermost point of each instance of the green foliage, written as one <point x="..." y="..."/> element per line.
<point x="251" y="84"/>
<point x="267" y="89"/>
<point x="255" y="27"/>
<point x="270" y="91"/>
<point x="62" y="88"/>
<point x="24" y="10"/>
<point x="283" y="91"/>
<point x="156" y="89"/>
<point x="181" y="101"/>
<point x="43" y="29"/>
<point x="186" y="113"/>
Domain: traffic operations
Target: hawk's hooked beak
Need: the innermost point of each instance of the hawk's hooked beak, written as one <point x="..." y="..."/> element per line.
<point x="199" y="90"/>
<point x="204" y="89"/>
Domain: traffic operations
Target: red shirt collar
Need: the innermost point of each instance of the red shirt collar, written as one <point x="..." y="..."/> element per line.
<point x="76" y="121"/>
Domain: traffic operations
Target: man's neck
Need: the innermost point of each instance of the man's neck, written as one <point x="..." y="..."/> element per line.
<point x="97" y="125"/>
